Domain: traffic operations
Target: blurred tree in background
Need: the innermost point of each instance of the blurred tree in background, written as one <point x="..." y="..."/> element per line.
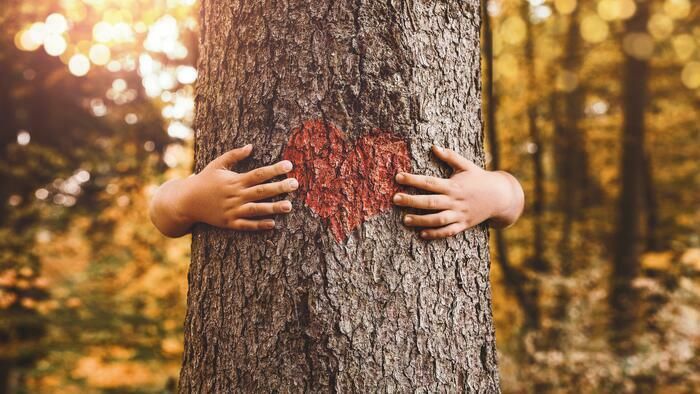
<point x="593" y="105"/>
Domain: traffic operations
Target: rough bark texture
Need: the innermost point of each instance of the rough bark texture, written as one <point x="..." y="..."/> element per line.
<point x="376" y="309"/>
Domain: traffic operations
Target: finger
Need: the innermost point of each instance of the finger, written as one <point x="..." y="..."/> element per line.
<point x="228" y="159"/>
<point x="454" y="159"/>
<point x="429" y="183"/>
<point x="443" y="232"/>
<point x="268" y="190"/>
<point x="431" y="202"/>
<point x="439" y="219"/>
<point x="252" y="225"/>
<point x="262" y="174"/>
<point x="252" y="209"/>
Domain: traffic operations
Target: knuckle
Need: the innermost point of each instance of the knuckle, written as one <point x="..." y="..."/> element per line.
<point x="431" y="203"/>
<point x="453" y="188"/>
<point x="234" y="181"/>
<point x="230" y="216"/>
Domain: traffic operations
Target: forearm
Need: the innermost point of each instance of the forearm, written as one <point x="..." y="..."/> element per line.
<point x="166" y="209"/>
<point x="513" y="202"/>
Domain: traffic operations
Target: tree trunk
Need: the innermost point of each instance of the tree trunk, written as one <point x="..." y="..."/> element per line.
<point x="571" y="164"/>
<point x="623" y="297"/>
<point x="341" y="297"/>
<point x="513" y="278"/>
<point x="651" y="206"/>
<point x="6" y="369"/>
<point x="537" y="262"/>
<point x="571" y="149"/>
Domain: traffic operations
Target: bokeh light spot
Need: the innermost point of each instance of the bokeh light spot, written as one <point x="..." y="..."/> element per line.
<point x="79" y="65"/>
<point x="186" y="75"/>
<point x="691" y="75"/>
<point x="55" y="45"/>
<point x="677" y="9"/>
<point x="56" y="24"/>
<point x="684" y="45"/>
<point x="638" y="45"/>
<point x="23" y="137"/>
<point x="100" y="54"/>
<point x="660" y="26"/>
<point x="565" y="7"/>
<point x="594" y="29"/>
<point x="41" y="194"/>
<point x="513" y="30"/>
<point x="131" y="118"/>
<point x="102" y="32"/>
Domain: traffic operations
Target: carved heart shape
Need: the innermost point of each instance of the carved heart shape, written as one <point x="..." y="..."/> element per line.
<point x="345" y="184"/>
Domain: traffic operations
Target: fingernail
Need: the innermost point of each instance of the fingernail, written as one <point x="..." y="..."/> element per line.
<point x="423" y="234"/>
<point x="397" y="197"/>
<point x="287" y="165"/>
<point x="270" y="223"/>
<point x="407" y="220"/>
<point x="438" y="148"/>
<point x="293" y="183"/>
<point x="248" y="146"/>
<point x="287" y="206"/>
<point x="399" y="177"/>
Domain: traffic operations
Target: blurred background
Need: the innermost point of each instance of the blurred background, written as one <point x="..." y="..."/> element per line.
<point x="592" y="104"/>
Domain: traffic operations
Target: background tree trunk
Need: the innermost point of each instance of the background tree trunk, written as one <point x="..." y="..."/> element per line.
<point x="514" y="280"/>
<point x="623" y="296"/>
<point x="319" y="305"/>
<point x="537" y="262"/>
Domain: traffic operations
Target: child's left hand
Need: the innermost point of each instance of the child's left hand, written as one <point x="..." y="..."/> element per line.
<point x="470" y="196"/>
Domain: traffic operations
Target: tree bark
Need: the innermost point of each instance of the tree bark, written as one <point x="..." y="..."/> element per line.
<point x="339" y="300"/>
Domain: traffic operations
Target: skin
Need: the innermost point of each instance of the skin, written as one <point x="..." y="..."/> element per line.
<point x="470" y="196"/>
<point x="222" y="198"/>
<point x="227" y="199"/>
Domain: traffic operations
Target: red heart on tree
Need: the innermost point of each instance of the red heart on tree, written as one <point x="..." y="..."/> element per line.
<point x="345" y="184"/>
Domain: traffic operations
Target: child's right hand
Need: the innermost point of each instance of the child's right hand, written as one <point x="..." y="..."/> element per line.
<point x="221" y="197"/>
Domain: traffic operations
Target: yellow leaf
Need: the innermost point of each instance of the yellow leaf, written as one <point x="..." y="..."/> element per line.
<point x="658" y="261"/>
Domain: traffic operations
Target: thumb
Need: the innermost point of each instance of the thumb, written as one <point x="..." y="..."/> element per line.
<point x="454" y="159"/>
<point x="228" y="159"/>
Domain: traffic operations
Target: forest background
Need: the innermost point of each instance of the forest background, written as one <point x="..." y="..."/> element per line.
<point x="593" y="105"/>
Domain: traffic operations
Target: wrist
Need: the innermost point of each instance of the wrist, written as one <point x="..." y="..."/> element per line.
<point x="185" y="197"/>
<point x="510" y="204"/>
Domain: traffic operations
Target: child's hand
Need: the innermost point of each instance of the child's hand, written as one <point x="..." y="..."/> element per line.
<point x="221" y="197"/>
<point x="470" y="196"/>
